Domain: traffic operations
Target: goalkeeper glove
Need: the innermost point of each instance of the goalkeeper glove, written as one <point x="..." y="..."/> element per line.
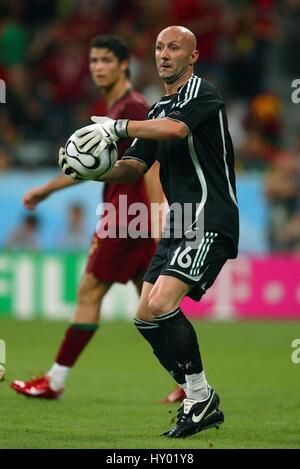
<point x="104" y="132"/>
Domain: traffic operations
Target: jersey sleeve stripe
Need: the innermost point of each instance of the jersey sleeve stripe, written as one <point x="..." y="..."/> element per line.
<point x="189" y="86"/>
<point x="151" y="112"/>
<point x="189" y="91"/>
<point x="193" y="93"/>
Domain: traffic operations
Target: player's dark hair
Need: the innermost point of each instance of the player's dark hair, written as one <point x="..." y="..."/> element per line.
<point x="113" y="43"/>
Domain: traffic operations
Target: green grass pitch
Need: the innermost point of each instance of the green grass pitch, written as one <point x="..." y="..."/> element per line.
<point x="111" y="400"/>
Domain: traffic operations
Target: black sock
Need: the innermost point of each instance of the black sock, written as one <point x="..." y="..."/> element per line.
<point x="152" y="332"/>
<point x="182" y="340"/>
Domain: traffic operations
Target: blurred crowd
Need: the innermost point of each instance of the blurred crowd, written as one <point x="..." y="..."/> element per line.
<point x="249" y="49"/>
<point x="72" y="236"/>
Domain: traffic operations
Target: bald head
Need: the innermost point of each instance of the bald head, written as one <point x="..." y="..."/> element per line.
<point x="182" y="34"/>
<point x="175" y="54"/>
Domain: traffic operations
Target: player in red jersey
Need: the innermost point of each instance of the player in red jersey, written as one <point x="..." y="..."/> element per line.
<point x="109" y="61"/>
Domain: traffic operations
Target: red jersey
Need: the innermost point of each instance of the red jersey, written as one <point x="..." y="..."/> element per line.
<point x="133" y="106"/>
<point x="123" y="259"/>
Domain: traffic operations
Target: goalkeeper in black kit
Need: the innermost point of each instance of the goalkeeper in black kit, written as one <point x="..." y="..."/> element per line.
<point x="187" y="133"/>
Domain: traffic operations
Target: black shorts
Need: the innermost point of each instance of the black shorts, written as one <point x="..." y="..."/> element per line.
<point x="196" y="266"/>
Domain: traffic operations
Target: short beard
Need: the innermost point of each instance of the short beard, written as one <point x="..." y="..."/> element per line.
<point x="174" y="78"/>
<point x="170" y="80"/>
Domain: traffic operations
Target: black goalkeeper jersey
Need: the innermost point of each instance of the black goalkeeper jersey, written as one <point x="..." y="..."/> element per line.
<point x="199" y="169"/>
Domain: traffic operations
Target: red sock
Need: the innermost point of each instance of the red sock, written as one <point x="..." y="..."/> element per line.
<point x="76" y="338"/>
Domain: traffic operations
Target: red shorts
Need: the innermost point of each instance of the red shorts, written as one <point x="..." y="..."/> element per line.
<point x="119" y="260"/>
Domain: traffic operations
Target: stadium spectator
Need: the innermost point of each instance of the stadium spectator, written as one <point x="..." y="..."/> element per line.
<point x="26" y="107"/>
<point x="235" y="44"/>
<point x="75" y="235"/>
<point x="205" y="19"/>
<point x="25" y="236"/>
<point x="264" y="116"/>
<point x="187" y="133"/>
<point x="13" y="35"/>
<point x="5" y="159"/>
<point x="251" y="32"/>
<point x="290" y="234"/>
<point x="290" y="40"/>
<point x="262" y="125"/>
<point x="282" y="193"/>
<point x="88" y="18"/>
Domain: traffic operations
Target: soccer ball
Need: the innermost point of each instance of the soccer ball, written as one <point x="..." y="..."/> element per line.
<point x="87" y="165"/>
